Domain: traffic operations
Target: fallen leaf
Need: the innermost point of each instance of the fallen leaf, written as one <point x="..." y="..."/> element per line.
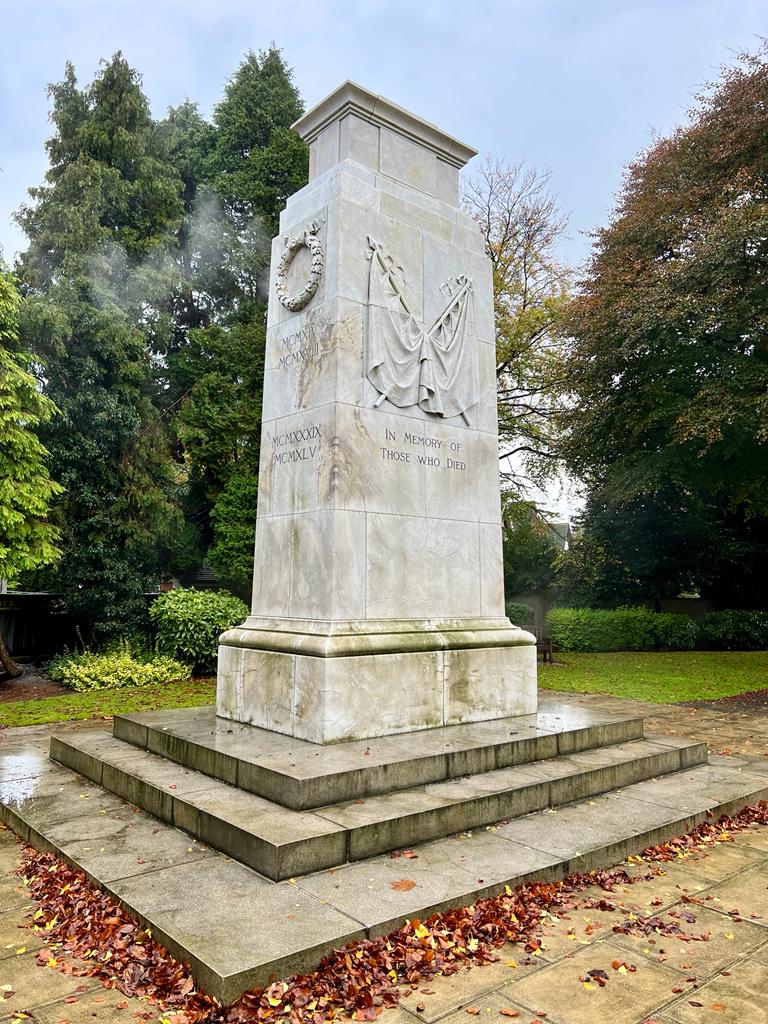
<point x="404" y="885"/>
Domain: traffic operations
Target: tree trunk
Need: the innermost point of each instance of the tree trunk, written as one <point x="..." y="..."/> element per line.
<point x="9" y="666"/>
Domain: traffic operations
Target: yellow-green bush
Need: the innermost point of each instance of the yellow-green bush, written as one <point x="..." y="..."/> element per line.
<point x="116" y="669"/>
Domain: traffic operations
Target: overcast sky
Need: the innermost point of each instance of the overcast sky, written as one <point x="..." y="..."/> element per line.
<point x="575" y="86"/>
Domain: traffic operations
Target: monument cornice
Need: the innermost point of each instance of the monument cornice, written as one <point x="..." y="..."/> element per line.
<point x="328" y="643"/>
<point x="351" y="98"/>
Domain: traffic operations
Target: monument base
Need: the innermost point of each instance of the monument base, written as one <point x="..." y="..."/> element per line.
<point x="326" y="682"/>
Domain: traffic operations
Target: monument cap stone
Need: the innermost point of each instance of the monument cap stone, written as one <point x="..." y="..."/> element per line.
<point x="354" y="124"/>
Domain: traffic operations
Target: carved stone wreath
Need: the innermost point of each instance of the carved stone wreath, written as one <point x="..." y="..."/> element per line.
<point x="309" y="240"/>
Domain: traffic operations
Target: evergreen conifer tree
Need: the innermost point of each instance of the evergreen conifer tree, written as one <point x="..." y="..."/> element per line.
<point x="111" y="206"/>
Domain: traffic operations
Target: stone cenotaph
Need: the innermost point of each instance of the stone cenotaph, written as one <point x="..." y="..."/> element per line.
<point x="378" y="594"/>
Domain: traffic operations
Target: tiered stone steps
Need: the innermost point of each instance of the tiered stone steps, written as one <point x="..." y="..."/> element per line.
<point x="238" y="927"/>
<point x="302" y="775"/>
<point x="281" y="843"/>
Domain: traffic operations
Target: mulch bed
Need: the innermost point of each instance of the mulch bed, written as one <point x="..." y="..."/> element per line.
<point x="754" y="702"/>
<point x="30" y="686"/>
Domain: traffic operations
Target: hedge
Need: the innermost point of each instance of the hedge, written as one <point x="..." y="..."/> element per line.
<point x="735" y="631"/>
<point x="623" y="629"/>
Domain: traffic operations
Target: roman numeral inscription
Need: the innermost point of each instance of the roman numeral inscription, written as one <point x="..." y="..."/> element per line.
<point x="289" y="447"/>
<point x="300" y="347"/>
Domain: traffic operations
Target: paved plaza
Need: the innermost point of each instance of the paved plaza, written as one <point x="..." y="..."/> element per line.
<point x="729" y="969"/>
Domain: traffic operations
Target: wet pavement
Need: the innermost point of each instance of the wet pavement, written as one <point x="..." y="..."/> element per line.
<point x="716" y="968"/>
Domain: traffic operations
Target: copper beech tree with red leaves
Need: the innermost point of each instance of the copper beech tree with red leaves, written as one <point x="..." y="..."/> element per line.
<point x="668" y="372"/>
<point x="363" y="979"/>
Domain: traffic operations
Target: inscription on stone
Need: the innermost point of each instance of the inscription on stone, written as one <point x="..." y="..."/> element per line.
<point x="427" y="443"/>
<point x="296" y="445"/>
<point x="300" y="346"/>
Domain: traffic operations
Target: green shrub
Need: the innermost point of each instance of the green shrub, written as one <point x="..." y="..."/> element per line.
<point x="675" y="632"/>
<point x="114" y="669"/>
<point x="622" y="629"/>
<point x="589" y="630"/>
<point x="735" y="631"/>
<point x="520" y="614"/>
<point x="189" y="623"/>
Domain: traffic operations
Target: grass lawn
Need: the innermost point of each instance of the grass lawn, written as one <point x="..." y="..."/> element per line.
<point x="104" y="703"/>
<point x="658" y="677"/>
<point x="662" y="678"/>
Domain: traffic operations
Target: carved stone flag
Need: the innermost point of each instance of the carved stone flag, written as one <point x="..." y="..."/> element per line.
<point x="436" y="368"/>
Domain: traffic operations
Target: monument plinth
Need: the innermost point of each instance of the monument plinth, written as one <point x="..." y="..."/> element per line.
<point x="378" y="597"/>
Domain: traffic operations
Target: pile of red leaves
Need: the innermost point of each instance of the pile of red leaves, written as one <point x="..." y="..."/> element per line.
<point x="360" y="980"/>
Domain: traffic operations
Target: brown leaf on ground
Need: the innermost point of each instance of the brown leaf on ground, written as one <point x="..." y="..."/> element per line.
<point x="366" y="977"/>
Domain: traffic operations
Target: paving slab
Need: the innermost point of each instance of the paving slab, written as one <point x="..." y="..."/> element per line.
<point x="706" y="785"/>
<point x="13" y="895"/>
<point x="253" y="931"/>
<point x="738" y="998"/>
<point x="101" y="1006"/>
<point x="756" y="839"/>
<point x="712" y="942"/>
<point x="16" y="933"/>
<point x="557" y="990"/>
<point x="48" y="798"/>
<point x="489" y="1005"/>
<point x="470" y="987"/>
<point x="23" y="761"/>
<point x="9" y="850"/>
<point x="121" y="842"/>
<point x="715" y="863"/>
<point x="746" y="892"/>
<point x="576" y="830"/>
<point x="34" y="986"/>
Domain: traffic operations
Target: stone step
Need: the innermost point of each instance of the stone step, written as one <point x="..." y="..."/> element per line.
<point x="248" y="930"/>
<point x="303" y="775"/>
<point x="282" y="843"/>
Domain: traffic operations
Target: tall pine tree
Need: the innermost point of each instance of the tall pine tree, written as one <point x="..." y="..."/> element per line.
<point x="99" y="228"/>
<point x="243" y="175"/>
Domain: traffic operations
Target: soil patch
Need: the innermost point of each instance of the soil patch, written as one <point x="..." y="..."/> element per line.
<point x="29" y="687"/>
<point x="754" y="702"/>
